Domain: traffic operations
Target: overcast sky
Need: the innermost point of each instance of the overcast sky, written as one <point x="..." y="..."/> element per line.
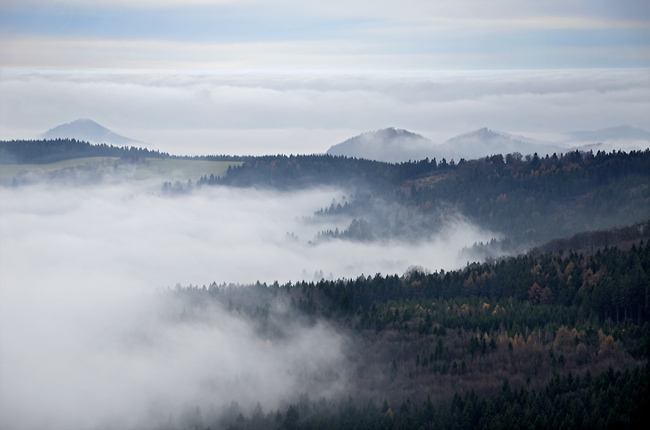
<point x="295" y="76"/>
<point x="289" y="34"/>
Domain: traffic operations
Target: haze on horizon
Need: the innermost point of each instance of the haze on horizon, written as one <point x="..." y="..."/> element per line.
<point x="257" y="77"/>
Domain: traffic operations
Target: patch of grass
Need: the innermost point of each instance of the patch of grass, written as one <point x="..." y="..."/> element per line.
<point x="168" y="169"/>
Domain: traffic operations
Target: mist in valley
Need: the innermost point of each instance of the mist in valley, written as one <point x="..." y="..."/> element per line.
<point x="129" y="304"/>
<point x="93" y="335"/>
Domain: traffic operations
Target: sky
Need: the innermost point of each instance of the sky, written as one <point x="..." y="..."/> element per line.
<point x="286" y="76"/>
<point x="349" y="35"/>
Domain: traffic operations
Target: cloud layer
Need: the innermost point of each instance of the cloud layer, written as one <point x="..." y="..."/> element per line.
<point x="306" y="112"/>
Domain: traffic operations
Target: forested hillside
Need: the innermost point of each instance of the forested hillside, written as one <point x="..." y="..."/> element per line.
<point x="528" y="200"/>
<point x="554" y="340"/>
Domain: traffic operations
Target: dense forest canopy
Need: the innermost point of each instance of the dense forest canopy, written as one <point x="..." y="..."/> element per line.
<point x="532" y="340"/>
<point x="493" y="345"/>
<point x="530" y="200"/>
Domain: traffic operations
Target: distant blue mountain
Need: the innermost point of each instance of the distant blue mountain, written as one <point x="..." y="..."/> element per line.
<point x="89" y="131"/>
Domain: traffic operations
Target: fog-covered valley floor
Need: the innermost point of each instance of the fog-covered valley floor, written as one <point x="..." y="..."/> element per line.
<point x="90" y="339"/>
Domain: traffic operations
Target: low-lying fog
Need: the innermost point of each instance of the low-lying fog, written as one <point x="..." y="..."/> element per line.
<point x="86" y="337"/>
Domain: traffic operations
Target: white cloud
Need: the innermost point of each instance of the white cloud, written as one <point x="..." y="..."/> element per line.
<point x="215" y="141"/>
<point x="115" y="53"/>
<point x="216" y="112"/>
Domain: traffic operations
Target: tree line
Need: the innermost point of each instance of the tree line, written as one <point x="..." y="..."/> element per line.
<point x="43" y="151"/>
<point x="530" y="200"/>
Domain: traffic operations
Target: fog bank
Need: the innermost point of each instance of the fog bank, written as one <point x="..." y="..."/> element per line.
<point x="89" y="341"/>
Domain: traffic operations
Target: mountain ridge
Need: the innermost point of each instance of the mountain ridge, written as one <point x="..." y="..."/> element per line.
<point x="398" y="145"/>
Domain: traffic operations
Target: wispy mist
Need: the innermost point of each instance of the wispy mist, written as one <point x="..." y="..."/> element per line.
<point x="90" y="338"/>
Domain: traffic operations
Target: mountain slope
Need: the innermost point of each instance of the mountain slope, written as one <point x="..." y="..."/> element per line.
<point x="389" y="144"/>
<point x="89" y="131"/>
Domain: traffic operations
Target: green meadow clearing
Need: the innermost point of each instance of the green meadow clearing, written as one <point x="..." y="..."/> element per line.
<point x="168" y="169"/>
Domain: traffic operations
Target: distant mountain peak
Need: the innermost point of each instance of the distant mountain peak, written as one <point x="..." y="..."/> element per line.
<point x="386" y="144"/>
<point x="87" y="130"/>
